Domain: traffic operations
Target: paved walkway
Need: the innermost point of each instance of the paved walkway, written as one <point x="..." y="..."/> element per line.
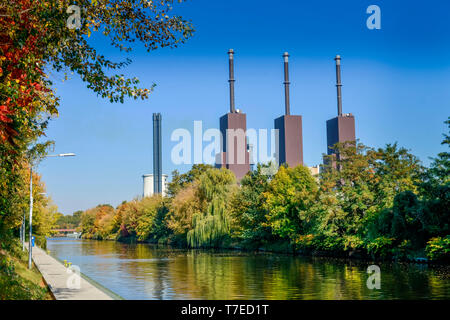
<point x="57" y="276"/>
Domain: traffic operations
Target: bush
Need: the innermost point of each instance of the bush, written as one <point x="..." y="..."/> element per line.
<point x="16" y="281"/>
<point x="438" y="249"/>
<point x="381" y="247"/>
<point x="40" y="241"/>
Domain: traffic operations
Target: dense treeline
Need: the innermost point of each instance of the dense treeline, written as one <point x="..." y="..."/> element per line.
<point x="69" y="221"/>
<point x="366" y="202"/>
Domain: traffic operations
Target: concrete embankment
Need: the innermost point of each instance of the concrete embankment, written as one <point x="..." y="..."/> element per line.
<point x="65" y="284"/>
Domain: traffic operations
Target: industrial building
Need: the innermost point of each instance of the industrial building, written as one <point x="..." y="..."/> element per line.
<point x="233" y="126"/>
<point x="342" y="127"/>
<point x="156" y="183"/>
<point x="148" y="180"/>
<point x="290" y="137"/>
<point x="235" y="152"/>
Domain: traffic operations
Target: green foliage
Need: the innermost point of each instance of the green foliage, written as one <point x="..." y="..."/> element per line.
<point x="291" y="194"/>
<point x="40" y="241"/>
<point x="435" y="188"/>
<point x="211" y="226"/>
<point x="381" y="246"/>
<point x="70" y="221"/>
<point x="150" y="225"/>
<point x="16" y="281"/>
<point x="180" y="181"/>
<point x="380" y="202"/>
<point x="438" y="249"/>
<point x="367" y="196"/>
<point x="249" y="223"/>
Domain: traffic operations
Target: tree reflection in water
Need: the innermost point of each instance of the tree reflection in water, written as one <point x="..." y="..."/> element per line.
<point x="144" y="271"/>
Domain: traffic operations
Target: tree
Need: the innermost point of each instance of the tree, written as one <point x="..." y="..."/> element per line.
<point x="180" y="181"/>
<point x="96" y="223"/>
<point x="356" y="191"/>
<point x="151" y="212"/>
<point x="35" y="38"/>
<point x="247" y="206"/>
<point x="291" y="194"/>
<point x="435" y="190"/>
<point x="211" y="226"/>
<point x="183" y="206"/>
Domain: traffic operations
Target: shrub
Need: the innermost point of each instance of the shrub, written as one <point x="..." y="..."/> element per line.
<point x="381" y="246"/>
<point x="438" y="249"/>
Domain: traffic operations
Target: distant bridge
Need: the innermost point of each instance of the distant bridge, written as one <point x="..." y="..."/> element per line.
<point x="72" y="233"/>
<point x="64" y="230"/>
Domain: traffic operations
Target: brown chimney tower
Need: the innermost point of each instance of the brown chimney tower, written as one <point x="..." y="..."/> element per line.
<point x="342" y="127"/>
<point x="290" y="137"/>
<point x="233" y="127"/>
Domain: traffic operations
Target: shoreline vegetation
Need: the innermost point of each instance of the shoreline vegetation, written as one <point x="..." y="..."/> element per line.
<point x="373" y="204"/>
<point x="17" y="282"/>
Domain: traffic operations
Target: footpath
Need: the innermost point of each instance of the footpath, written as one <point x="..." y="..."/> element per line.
<point x="64" y="284"/>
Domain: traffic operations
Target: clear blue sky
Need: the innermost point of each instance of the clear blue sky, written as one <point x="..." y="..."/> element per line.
<point x="396" y="81"/>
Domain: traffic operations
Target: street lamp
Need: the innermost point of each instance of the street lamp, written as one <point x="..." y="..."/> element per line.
<point x="31" y="204"/>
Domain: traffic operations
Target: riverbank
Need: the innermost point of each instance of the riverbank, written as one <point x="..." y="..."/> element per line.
<point x="63" y="283"/>
<point x="282" y="247"/>
<point x="17" y="282"/>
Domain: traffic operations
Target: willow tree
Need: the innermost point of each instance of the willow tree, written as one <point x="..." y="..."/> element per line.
<point x="211" y="226"/>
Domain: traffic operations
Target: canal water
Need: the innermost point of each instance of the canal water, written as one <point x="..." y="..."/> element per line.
<point x="145" y="271"/>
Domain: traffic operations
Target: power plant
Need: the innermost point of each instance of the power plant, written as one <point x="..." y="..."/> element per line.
<point x="235" y="151"/>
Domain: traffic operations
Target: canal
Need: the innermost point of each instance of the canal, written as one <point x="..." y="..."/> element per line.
<point x="145" y="271"/>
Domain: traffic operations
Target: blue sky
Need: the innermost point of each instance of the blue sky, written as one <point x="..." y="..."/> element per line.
<point x="396" y="81"/>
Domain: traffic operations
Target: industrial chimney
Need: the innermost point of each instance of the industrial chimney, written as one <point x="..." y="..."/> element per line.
<point x="286" y="84"/>
<point x="157" y="157"/>
<point x="342" y="127"/>
<point x="233" y="127"/>
<point x="338" y="84"/>
<point x="231" y="79"/>
<point x="290" y="137"/>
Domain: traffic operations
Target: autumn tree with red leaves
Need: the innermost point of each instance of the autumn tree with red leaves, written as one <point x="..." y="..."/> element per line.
<point x="36" y="38"/>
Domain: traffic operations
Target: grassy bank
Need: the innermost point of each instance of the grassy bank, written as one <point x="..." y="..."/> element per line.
<point x="17" y="282"/>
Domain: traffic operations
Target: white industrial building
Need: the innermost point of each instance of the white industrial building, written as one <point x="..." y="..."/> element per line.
<point x="149" y="187"/>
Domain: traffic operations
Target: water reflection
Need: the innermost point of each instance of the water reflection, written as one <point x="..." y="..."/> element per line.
<point x="142" y="271"/>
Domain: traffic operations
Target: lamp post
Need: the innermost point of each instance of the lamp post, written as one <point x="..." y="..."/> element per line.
<point x="31" y="205"/>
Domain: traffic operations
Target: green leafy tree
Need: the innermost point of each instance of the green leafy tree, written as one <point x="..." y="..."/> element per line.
<point x="211" y="226"/>
<point x="180" y="181"/>
<point x="435" y="190"/>
<point x="290" y="195"/>
<point x="249" y="214"/>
